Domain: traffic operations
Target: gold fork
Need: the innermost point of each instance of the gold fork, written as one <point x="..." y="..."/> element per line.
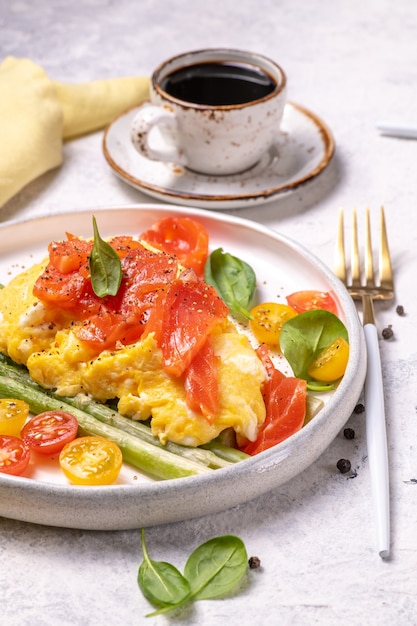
<point x="369" y="290"/>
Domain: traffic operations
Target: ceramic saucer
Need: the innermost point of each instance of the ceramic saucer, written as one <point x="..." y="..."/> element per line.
<point x="305" y="148"/>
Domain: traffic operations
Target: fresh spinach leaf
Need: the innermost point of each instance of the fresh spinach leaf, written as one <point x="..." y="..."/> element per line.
<point x="233" y="279"/>
<point x="211" y="571"/>
<point x="304" y="336"/>
<point x="161" y="583"/>
<point x="105" y="267"/>
<point x="215" y="567"/>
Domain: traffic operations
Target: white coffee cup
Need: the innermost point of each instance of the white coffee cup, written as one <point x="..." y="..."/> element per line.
<point x="214" y="111"/>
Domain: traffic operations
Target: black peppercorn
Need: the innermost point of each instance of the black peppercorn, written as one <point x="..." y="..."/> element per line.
<point x="400" y="309"/>
<point x="343" y="465"/>
<point x="254" y="562"/>
<point x="349" y="433"/>
<point x="359" y="408"/>
<point x="387" y="333"/>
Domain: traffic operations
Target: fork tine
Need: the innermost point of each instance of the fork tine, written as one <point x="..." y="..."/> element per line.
<point x="385" y="268"/>
<point x="340" y="262"/>
<point x="369" y="264"/>
<point x="355" y="261"/>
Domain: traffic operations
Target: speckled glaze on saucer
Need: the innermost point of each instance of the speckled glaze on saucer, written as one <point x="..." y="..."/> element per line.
<point x="42" y="496"/>
<point x="305" y="149"/>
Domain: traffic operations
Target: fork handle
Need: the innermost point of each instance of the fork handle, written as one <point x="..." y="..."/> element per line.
<point x="376" y="438"/>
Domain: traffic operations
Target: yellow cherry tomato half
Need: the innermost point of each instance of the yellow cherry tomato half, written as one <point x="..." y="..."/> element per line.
<point x="267" y="321"/>
<point x="330" y="365"/>
<point x="91" y="461"/>
<point x="13" y="414"/>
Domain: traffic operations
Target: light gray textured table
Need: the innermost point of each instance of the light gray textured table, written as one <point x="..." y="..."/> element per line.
<point x="353" y="63"/>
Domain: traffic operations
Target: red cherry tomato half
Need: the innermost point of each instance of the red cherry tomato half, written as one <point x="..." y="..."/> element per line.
<point x="48" y="432"/>
<point x="185" y="238"/>
<point x="14" y="455"/>
<point x="310" y="300"/>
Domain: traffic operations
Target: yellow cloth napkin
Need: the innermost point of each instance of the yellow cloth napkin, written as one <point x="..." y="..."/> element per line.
<point x="38" y="114"/>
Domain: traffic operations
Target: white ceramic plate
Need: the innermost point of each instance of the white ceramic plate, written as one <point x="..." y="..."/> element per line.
<point x="305" y="149"/>
<point x="281" y="266"/>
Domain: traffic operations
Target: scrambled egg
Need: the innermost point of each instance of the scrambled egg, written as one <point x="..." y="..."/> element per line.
<point x="58" y="360"/>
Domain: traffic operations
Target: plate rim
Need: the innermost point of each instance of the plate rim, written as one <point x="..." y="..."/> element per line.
<point x="263" y="464"/>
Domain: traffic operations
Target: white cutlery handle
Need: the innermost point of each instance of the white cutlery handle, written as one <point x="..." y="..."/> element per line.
<point x="405" y="131"/>
<point x="376" y="437"/>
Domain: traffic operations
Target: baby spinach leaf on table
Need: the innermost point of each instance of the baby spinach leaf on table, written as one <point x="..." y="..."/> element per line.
<point x="105" y="267"/>
<point x="215" y="567"/>
<point x="211" y="571"/>
<point x="304" y="336"/>
<point x="161" y="583"/>
<point x="233" y="279"/>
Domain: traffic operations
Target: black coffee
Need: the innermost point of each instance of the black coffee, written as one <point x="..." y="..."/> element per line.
<point x="218" y="83"/>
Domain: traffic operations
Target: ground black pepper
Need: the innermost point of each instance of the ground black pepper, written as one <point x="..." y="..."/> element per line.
<point x="344" y="466"/>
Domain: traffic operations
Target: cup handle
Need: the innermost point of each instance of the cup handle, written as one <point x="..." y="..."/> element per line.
<point x="154" y="134"/>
